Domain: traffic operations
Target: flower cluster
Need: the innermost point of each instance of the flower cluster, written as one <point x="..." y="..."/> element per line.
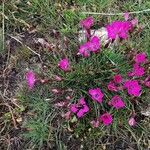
<point x="117" y="29"/>
<point x="120" y="29"/>
<point x="91" y="46"/>
<point x="138" y="70"/>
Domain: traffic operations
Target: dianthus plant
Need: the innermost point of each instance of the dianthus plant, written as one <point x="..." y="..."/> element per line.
<point x="96" y="85"/>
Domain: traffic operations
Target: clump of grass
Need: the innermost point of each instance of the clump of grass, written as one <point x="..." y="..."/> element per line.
<point x="39" y="120"/>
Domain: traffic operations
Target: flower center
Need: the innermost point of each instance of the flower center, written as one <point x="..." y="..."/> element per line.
<point x="96" y="95"/>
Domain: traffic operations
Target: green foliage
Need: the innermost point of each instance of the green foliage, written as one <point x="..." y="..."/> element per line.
<point x="38" y="132"/>
<point x="39" y="120"/>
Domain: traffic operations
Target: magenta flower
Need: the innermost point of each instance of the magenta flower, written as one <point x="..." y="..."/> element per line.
<point x="30" y="79"/>
<point x="138" y="71"/>
<point x="132" y="122"/>
<point x="82" y="111"/>
<point x="117" y="78"/>
<point x="84" y="50"/>
<point x="73" y="108"/>
<point x="133" y="87"/>
<point x="112" y="87"/>
<point x="64" y="64"/>
<point x="140" y="58"/>
<point x="96" y="94"/>
<point x="147" y="81"/>
<point x="87" y="23"/>
<point x="106" y="118"/>
<point x="119" y="29"/>
<point x="79" y="109"/>
<point x="94" y="44"/>
<point x="117" y="102"/>
<point x="95" y="123"/>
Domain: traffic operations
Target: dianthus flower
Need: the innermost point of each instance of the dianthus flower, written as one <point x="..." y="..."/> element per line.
<point x="94" y="45"/>
<point x="30" y="79"/>
<point x="96" y="94"/>
<point x="147" y="81"/>
<point x="138" y="71"/>
<point x="112" y="87"/>
<point x="132" y="122"/>
<point x="117" y="102"/>
<point x="79" y="109"/>
<point x="64" y="64"/>
<point x="117" y="78"/>
<point x="87" y="23"/>
<point x="133" y="87"/>
<point x="119" y="29"/>
<point x="140" y="58"/>
<point x="106" y="118"/>
<point x="84" y="49"/>
<point x="95" y="123"/>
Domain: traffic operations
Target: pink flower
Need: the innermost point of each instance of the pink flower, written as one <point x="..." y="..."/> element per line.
<point x="95" y="123"/>
<point x="134" y="22"/>
<point x="60" y="104"/>
<point x="68" y="97"/>
<point x="117" y="102"/>
<point x="96" y="94"/>
<point x="55" y="91"/>
<point x="64" y="64"/>
<point x="126" y="16"/>
<point x="30" y="78"/>
<point x="117" y="78"/>
<point x="79" y="109"/>
<point x="57" y="78"/>
<point x="67" y="115"/>
<point x="94" y="45"/>
<point x="118" y="29"/>
<point x="133" y="87"/>
<point x="112" y="87"/>
<point x="132" y="122"/>
<point x="147" y="81"/>
<point x="84" y="50"/>
<point x="140" y="58"/>
<point x="87" y="23"/>
<point x="106" y="118"/>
